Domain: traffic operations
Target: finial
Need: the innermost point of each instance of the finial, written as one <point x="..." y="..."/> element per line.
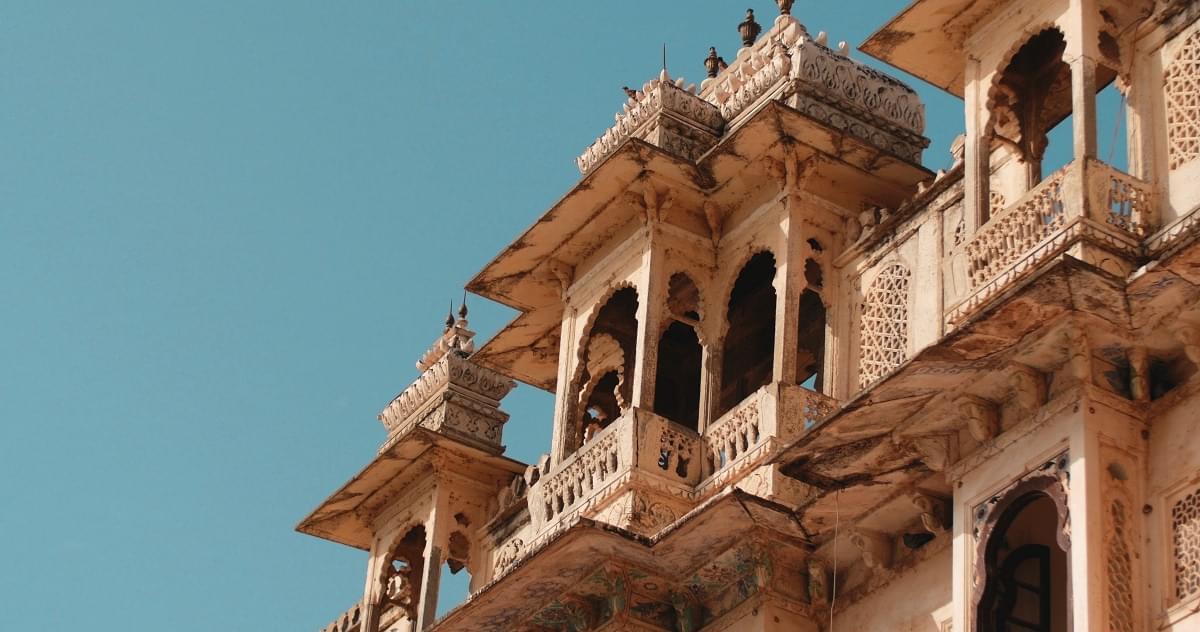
<point x="462" y="309"/>
<point x="785" y="6"/>
<point x="749" y="29"/>
<point x="713" y="64"/>
<point x="450" y="317"/>
<point x="629" y="92"/>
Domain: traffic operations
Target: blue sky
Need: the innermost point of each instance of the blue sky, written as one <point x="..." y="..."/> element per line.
<point x="227" y="231"/>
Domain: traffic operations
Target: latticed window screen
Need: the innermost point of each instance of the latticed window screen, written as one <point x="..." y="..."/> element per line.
<point x="1182" y="90"/>
<point x="1185" y="541"/>
<point x="884" y="324"/>
<point x="1120" y="571"/>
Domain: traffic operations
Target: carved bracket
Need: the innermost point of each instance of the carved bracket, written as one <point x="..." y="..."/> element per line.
<point x="1028" y="388"/>
<point x="932" y="512"/>
<point x="1189" y="336"/>
<point x="980" y="416"/>
<point x="876" y="548"/>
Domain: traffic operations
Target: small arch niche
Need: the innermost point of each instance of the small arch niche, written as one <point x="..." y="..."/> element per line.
<point x="749" y="345"/>
<point x="1031" y="119"/>
<point x="401" y="577"/>
<point x="1027" y="582"/>
<point x="680" y="355"/>
<point x="605" y="383"/>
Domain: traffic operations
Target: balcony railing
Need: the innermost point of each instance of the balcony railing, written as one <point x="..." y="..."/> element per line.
<point x="349" y="621"/>
<point x="775" y="411"/>
<point x="637" y="440"/>
<point x="1084" y="199"/>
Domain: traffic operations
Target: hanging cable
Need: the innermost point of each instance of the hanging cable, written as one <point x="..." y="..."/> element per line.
<point x="837" y="516"/>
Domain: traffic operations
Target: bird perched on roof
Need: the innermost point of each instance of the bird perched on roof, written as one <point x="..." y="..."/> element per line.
<point x="629" y="92"/>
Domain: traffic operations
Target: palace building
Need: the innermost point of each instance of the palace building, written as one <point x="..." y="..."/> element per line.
<point x="803" y="382"/>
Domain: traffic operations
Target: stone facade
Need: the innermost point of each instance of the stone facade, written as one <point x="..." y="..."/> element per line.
<point x="803" y="383"/>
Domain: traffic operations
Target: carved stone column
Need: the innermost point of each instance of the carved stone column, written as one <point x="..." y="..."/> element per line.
<point x="1083" y="107"/>
<point x="652" y="303"/>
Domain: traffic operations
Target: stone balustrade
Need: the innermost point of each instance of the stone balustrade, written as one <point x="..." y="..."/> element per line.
<point x="1126" y="201"/>
<point x="638" y="441"/>
<point x="773" y="414"/>
<point x="1086" y="200"/>
<point x="349" y="621"/>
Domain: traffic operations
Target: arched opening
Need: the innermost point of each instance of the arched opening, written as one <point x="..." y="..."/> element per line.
<point x="677" y="378"/>
<point x="677" y="385"/>
<point x="605" y="384"/>
<point x="454" y="582"/>
<point x="401" y="579"/>
<point x="749" y="347"/>
<point x="810" y="342"/>
<point x="1032" y="95"/>
<point x="1027" y="581"/>
<point x="1031" y="124"/>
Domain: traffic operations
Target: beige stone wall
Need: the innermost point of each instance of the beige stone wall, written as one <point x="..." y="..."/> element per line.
<point x="917" y="601"/>
<point x="1173" y="476"/>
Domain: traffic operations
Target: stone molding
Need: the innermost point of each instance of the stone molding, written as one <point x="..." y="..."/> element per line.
<point x="453" y="393"/>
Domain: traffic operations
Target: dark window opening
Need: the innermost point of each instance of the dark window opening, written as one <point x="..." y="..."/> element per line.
<point x="810" y="342"/>
<point x="749" y="348"/>
<point x="1027" y="572"/>
<point x="677" y="385"/>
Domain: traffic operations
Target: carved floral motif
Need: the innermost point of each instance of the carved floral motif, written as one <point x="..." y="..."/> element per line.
<point x="452" y="369"/>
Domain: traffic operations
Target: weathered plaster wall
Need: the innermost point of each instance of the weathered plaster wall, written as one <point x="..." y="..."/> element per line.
<point x="918" y="601"/>
<point x="1173" y="465"/>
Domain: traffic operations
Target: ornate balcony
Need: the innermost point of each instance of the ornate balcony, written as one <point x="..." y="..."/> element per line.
<point x="638" y="444"/>
<point x="772" y="416"/>
<point x="1084" y="201"/>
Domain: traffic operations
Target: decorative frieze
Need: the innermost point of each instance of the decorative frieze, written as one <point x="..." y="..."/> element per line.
<point x="665" y="114"/>
<point x="454" y="393"/>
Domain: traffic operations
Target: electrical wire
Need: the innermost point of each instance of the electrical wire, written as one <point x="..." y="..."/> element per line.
<point x="837" y="516"/>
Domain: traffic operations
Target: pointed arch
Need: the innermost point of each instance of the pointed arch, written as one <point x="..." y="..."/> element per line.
<point x="748" y="346"/>
<point x="602" y="388"/>
<point x="680" y="354"/>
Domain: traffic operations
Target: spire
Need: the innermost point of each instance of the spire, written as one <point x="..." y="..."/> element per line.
<point x="713" y="64"/>
<point x="749" y="29"/>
